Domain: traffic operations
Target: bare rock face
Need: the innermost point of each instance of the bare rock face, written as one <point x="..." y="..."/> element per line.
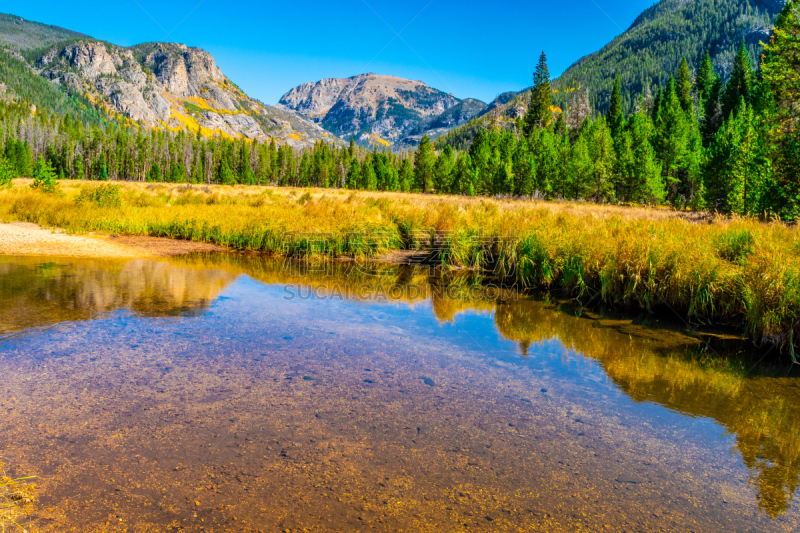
<point x="158" y="84"/>
<point x="181" y="70"/>
<point x="127" y="98"/>
<point x="92" y="59"/>
<point x="368" y="105"/>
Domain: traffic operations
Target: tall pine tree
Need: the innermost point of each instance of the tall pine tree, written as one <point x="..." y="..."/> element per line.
<point x="539" y="114"/>
<point x="740" y="84"/>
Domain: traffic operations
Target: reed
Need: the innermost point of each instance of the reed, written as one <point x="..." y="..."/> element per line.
<point x="707" y="269"/>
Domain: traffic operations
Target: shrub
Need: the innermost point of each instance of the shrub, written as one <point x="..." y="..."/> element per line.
<point x="104" y="195"/>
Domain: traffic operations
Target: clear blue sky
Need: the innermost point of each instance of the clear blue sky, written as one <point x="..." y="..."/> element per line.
<point x="470" y="48"/>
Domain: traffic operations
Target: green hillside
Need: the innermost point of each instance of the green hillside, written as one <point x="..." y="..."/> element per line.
<point x="653" y="46"/>
<point x="19" y="34"/>
<point x="24" y="85"/>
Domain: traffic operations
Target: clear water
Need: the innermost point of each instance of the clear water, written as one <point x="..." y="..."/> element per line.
<point x="225" y="393"/>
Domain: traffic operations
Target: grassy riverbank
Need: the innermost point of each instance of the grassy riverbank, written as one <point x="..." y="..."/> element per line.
<point x="740" y="272"/>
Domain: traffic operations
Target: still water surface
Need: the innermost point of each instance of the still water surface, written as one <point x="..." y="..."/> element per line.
<point x="227" y="393"/>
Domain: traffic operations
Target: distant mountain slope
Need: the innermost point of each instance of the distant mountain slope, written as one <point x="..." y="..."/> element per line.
<point x="19" y="34"/>
<point x="158" y="85"/>
<point x="648" y="51"/>
<point x="377" y="109"/>
<point x="19" y="82"/>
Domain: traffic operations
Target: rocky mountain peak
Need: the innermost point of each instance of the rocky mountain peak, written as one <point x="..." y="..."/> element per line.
<point x="370" y="107"/>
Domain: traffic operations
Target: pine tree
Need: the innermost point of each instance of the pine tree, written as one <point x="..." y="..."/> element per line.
<point x="602" y="154"/>
<point x="740" y="84"/>
<point x="6" y="172"/>
<point x="780" y="71"/>
<point x="44" y="177"/>
<point x="353" y="178"/>
<point x="708" y="87"/>
<point x="736" y="168"/>
<point x="679" y="147"/>
<point x="406" y="176"/>
<point x="640" y="177"/>
<point x="424" y="161"/>
<point x="539" y="113"/>
<point x="616" y="116"/>
<point x="443" y="170"/>
<point x="683" y="86"/>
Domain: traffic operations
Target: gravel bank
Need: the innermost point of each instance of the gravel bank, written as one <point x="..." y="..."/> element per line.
<point x="22" y="238"/>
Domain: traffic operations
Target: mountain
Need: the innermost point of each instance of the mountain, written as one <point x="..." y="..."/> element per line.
<point x="158" y="85"/>
<point x="377" y="109"/>
<point x="652" y="47"/>
<point x="437" y="125"/>
<point x="648" y="51"/>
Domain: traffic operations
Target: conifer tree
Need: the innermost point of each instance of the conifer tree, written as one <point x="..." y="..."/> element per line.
<point x="678" y="146"/>
<point x="616" y="116"/>
<point x="683" y="85"/>
<point x="708" y="87"/>
<point x="44" y="177"/>
<point x="736" y="168"/>
<point x="443" y="170"/>
<point x="405" y="176"/>
<point x="602" y="154"/>
<point x="424" y="161"/>
<point x="780" y="71"/>
<point x="640" y="177"/>
<point x="539" y="114"/>
<point x="739" y="86"/>
<point x="6" y="172"/>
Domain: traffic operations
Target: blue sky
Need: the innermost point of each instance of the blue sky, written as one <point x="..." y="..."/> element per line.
<point x="469" y="48"/>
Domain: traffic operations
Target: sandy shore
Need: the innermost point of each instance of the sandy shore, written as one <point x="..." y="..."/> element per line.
<point x="20" y="238"/>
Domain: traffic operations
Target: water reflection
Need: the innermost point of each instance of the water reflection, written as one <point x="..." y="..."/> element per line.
<point x="36" y="293"/>
<point x="649" y="364"/>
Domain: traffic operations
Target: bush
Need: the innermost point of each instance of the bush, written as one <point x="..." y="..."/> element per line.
<point x="104" y="195"/>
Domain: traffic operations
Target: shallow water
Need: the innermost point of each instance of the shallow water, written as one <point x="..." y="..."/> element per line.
<point x="233" y="393"/>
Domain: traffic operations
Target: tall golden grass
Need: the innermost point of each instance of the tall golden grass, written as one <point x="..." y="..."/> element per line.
<point x="720" y="270"/>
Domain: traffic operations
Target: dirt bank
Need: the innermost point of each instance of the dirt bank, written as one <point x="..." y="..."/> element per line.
<point x="19" y="238"/>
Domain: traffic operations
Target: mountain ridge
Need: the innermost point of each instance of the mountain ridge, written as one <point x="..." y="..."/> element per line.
<point x="374" y="108"/>
<point x="156" y="85"/>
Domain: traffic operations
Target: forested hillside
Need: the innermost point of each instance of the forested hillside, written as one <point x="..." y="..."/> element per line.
<point x="660" y="37"/>
<point x="22" y="83"/>
<point x="20" y="35"/>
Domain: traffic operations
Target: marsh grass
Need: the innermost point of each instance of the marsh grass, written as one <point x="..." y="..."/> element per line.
<point x="17" y="501"/>
<point x="706" y="269"/>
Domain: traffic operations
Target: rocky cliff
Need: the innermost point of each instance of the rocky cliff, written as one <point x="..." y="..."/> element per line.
<point x="156" y="85"/>
<point x="170" y="85"/>
<point x="374" y="108"/>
